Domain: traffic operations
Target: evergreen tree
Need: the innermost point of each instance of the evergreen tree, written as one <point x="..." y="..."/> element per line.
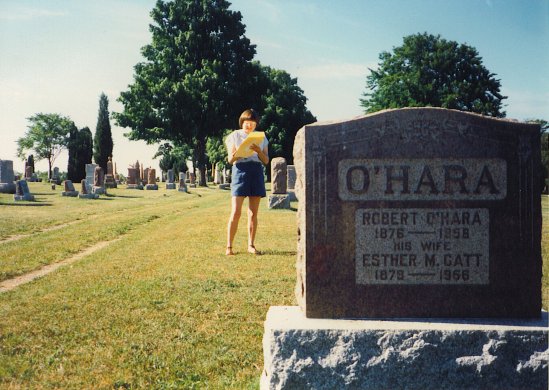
<point x="73" y="147"/>
<point x="80" y="153"/>
<point x="102" y="142"/>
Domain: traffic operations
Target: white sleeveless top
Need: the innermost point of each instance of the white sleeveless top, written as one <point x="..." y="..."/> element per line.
<point x="237" y="137"/>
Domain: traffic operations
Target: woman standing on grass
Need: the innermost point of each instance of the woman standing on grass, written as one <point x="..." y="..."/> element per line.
<point x="247" y="179"/>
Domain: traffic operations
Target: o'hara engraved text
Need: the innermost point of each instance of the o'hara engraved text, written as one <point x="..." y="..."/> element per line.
<point x="422" y="179"/>
<point x="422" y="246"/>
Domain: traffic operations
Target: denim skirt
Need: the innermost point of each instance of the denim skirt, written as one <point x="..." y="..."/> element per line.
<point x="248" y="179"/>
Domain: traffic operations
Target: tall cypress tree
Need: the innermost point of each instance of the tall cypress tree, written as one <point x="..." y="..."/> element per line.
<point x="80" y="153"/>
<point x="102" y="142"/>
<point x="73" y="146"/>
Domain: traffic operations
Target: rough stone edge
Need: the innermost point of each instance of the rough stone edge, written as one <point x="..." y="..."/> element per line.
<point x="405" y="339"/>
<point x="300" y="191"/>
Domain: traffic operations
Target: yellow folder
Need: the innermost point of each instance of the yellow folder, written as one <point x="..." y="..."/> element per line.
<point x="255" y="137"/>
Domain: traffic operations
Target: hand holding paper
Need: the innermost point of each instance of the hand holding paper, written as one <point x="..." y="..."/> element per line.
<point x="255" y="137"/>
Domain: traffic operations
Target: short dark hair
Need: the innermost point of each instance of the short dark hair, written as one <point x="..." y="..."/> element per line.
<point x="248" y="115"/>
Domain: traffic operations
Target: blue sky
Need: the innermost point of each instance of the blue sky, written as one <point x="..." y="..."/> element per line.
<point x="58" y="56"/>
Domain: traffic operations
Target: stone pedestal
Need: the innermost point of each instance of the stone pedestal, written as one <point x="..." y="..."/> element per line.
<point x="279" y="201"/>
<point x="170" y="186"/>
<point x="151" y="187"/>
<point x="303" y="353"/>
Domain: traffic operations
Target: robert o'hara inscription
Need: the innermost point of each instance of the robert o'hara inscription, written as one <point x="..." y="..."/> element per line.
<point x="422" y="246"/>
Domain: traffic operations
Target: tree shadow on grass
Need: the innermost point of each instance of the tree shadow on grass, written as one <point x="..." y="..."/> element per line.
<point x="278" y="253"/>
<point x="27" y="204"/>
<point x="123" y="196"/>
<point x="45" y="193"/>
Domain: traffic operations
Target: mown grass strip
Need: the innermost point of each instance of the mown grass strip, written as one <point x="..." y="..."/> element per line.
<point x="161" y="308"/>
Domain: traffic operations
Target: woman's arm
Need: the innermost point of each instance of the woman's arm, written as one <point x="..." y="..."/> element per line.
<point x="231" y="158"/>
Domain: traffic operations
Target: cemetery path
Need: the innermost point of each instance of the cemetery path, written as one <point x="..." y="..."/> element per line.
<point x="52" y="228"/>
<point x="10" y="284"/>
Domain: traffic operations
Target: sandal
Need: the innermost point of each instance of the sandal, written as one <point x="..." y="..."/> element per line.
<point x="252" y="250"/>
<point x="229" y="251"/>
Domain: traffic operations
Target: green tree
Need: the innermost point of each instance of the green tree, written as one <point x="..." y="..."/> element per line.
<point x="80" y="153"/>
<point x="173" y="157"/>
<point x="430" y="71"/>
<point x="47" y="135"/>
<point x="217" y="151"/>
<point x="195" y="77"/>
<point x="102" y="142"/>
<point x="284" y="112"/>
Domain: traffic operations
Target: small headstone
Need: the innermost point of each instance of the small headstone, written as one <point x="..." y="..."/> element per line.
<point x="133" y="181"/>
<point x="151" y="179"/>
<point x="170" y="184"/>
<point x="28" y="172"/>
<point x="278" y="199"/>
<point x="7" y="177"/>
<point x="69" y="189"/>
<point x="182" y="182"/>
<point x="90" y="173"/>
<point x="99" y="181"/>
<point x="22" y="191"/>
<point x="110" y="181"/>
<point x="218" y="177"/>
<point x="85" y="192"/>
<point x="55" y="177"/>
<point x="290" y="169"/>
<point x="192" y="180"/>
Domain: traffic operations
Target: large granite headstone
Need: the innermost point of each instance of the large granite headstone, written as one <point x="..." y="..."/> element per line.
<point x="99" y="181"/>
<point x="7" y="177"/>
<point x="420" y="212"/>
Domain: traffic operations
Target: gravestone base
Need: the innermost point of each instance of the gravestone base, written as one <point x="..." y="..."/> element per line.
<point x="292" y="195"/>
<point x="279" y="201"/>
<point x="99" y="190"/>
<point x="69" y="193"/>
<point x="25" y="197"/>
<point x="151" y="187"/>
<point x="170" y="186"/>
<point x="88" y="196"/>
<point x="110" y="182"/>
<point x="224" y="186"/>
<point x="7" y="188"/>
<point x="304" y="353"/>
<point x="134" y="187"/>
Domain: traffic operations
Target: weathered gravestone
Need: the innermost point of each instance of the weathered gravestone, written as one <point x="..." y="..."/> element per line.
<point x="151" y="179"/>
<point x="69" y="189"/>
<point x="290" y="169"/>
<point x="133" y="182"/>
<point x="99" y="181"/>
<point x="182" y="183"/>
<point x="22" y="191"/>
<point x="419" y="213"/>
<point x="424" y="213"/>
<point x="110" y="181"/>
<point x="7" y="184"/>
<point x="170" y="184"/>
<point x="90" y="173"/>
<point x="279" y="198"/>
<point x="85" y="192"/>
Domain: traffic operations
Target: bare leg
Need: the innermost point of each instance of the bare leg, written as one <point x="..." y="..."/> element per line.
<point x="253" y="208"/>
<point x="236" y="209"/>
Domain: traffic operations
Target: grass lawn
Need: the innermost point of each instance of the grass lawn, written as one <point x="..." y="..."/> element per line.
<point x="160" y="307"/>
